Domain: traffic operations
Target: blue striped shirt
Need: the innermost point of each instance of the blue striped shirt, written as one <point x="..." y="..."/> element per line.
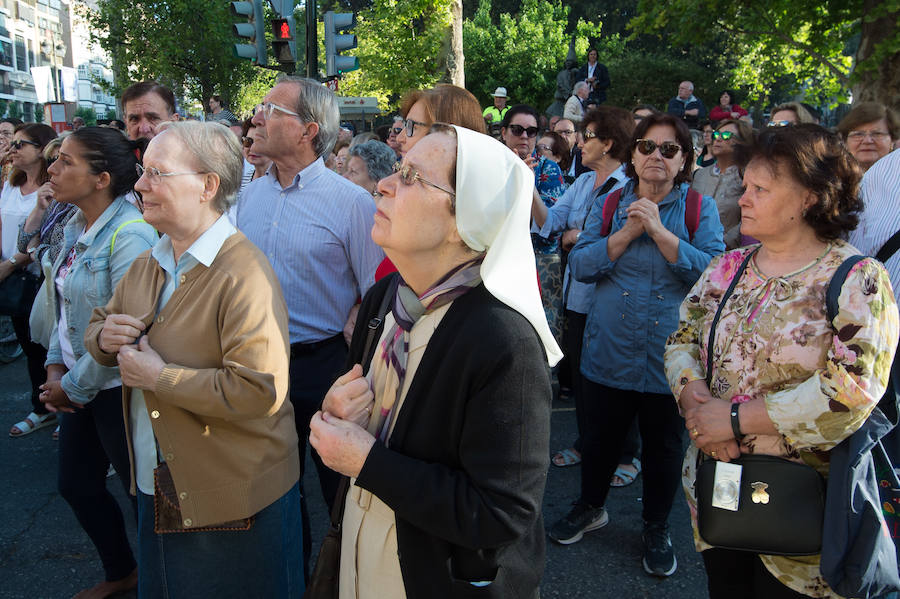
<point x="316" y="234"/>
<point x="880" y="191"/>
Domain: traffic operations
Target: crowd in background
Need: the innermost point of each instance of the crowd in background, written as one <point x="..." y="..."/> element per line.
<point x="192" y="293"/>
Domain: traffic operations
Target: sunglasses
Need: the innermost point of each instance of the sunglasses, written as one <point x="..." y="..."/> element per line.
<point x="668" y="149"/>
<point x="587" y="134"/>
<point x="411" y="126"/>
<point x="723" y="135"/>
<point x="409" y="175"/>
<point x="246" y="141"/>
<point x="396" y="130"/>
<point x="518" y="130"/>
<point x="780" y="124"/>
<point x="17" y="144"/>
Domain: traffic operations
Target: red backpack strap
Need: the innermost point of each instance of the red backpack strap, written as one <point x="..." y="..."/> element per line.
<point x="609" y="209"/>
<point x="691" y="212"/>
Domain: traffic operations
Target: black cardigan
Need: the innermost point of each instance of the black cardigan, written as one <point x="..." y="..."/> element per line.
<point x="468" y="457"/>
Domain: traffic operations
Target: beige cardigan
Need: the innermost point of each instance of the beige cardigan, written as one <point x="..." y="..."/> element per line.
<point x="219" y="411"/>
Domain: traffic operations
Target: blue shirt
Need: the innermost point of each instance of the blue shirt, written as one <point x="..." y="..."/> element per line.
<point x="316" y="233"/>
<point x="571" y="212"/>
<point x="634" y="305"/>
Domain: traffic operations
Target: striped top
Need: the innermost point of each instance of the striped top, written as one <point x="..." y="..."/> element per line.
<point x="880" y="191"/>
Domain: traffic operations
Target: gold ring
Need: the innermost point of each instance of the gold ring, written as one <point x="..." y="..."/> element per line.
<point x="713" y="453"/>
<point x="695" y="432"/>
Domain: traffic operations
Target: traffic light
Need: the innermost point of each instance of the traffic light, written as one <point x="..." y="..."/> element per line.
<point x="253" y="31"/>
<point x="336" y="42"/>
<point x="283" y="45"/>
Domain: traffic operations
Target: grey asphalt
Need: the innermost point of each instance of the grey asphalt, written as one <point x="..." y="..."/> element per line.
<point x="45" y="554"/>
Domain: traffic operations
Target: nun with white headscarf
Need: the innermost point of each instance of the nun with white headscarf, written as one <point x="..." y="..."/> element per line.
<point x="445" y="439"/>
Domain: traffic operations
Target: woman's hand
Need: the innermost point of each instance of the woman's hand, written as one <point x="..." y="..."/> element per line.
<point x="709" y="422"/>
<point x="530" y="161"/>
<point x="119" y="330"/>
<point x="570" y="238"/>
<point x="724" y="452"/>
<point x="342" y="445"/>
<point x="55" y="398"/>
<point x="140" y="366"/>
<point x="647" y="213"/>
<point x="350" y="397"/>
<point x="6" y="268"/>
<point x="44" y="196"/>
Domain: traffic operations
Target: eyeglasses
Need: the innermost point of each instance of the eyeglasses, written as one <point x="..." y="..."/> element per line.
<point x="409" y="175"/>
<point x="780" y="124"/>
<point x="567" y="132"/>
<point x="544" y="148"/>
<point x="723" y="135"/>
<point x="518" y="130"/>
<point x="246" y="141"/>
<point x="267" y="108"/>
<point x="17" y="144"/>
<point x="858" y="136"/>
<point x="587" y="134"/>
<point x="154" y="175"/>
<point x="668" y="149"/>
<point x="411" y="126"/>
<point x="396" y="130"/>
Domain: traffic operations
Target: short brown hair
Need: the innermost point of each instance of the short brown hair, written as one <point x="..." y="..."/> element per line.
<point x="449" y="104"/>
<point x="682" y="136"/>
<point x="142" y="88"/>
<point x="817" y="160"/>
<point x="803" y="115"/>
<point x="40" y="134"/>
<point x="613" y="124"/>
<point x="867" y="112"/>
<point x="560" y="147"/>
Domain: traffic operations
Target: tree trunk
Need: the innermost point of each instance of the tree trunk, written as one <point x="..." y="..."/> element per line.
<point x="881" y="83"/>
<point x="456" y="59"/>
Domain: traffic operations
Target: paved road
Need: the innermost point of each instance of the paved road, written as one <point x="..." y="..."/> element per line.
<point x="45" y="554"/>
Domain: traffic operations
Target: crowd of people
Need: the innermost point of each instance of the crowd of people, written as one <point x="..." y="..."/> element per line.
<point x="201" y="301"/>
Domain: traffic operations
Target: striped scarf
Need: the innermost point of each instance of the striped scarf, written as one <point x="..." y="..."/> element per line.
<point x="388" y="372"/>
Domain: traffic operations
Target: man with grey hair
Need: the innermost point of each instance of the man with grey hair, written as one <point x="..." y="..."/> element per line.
<point x="314" y="226"/>
<point x="685" y="105"/>
<point x="574" y="110"/>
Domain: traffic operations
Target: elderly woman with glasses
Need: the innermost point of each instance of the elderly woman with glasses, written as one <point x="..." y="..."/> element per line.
<point x="198" y="327"/>
<point x="642" y="249"/>
<point x="445" y="439"/>
<point x="870" y="131"/>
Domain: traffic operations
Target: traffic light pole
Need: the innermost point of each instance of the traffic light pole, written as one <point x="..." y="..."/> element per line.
<point x="312" y="42"/>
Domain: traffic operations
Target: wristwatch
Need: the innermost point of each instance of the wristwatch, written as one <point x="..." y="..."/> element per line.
<point x="13" y="261"/>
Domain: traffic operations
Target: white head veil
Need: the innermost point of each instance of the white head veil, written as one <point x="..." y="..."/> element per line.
<point x="493" y="213"/>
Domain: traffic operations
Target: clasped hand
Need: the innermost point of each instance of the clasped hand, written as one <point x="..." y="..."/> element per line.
<point x="708" y="422"/>
<point x="645" y="213"/>
<point x="337" y="432"/>
<point x="139" y="365"/>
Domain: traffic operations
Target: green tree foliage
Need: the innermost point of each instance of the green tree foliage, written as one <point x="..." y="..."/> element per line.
<point x="400" y="44"/>
<point x="644" y="78"/>
<point x="185" y="43"/>
<point x="111" y="114"/>
<point x="38" y="113"/>
<point x="804" y="39"/>
<point x="525" y="51"/>
<point x="15" y="110"/>
<point x="88" y="114"/>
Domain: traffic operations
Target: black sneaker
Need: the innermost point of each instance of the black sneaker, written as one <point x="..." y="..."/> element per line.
<point x="583" y="518"/>
<point x="659" y="557"/>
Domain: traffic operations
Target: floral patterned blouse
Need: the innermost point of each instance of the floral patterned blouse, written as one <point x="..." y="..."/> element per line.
<point x="773" y="342"/>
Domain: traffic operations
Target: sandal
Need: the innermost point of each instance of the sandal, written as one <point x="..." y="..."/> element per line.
<point x="566" y="457"/>
<point x="32" y="423"/>
<point x="625" y="476"/>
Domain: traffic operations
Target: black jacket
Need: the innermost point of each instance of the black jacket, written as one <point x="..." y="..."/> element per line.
<point x="468" y="457"/>
<point x="601" y="81"/>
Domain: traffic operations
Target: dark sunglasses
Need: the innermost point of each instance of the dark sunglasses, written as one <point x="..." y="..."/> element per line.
<point x="518" y="130"/>
<point x="396" y="130"/>
<point x="780" y="124"/>
<point x="246" y="141"/>
<point x="669" y="149"/>
<point x="411" y="126"/>
<point x="723" y="135"/>
<point x="17" y="144"/>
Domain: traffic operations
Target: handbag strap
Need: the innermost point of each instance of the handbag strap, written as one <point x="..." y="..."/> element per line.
<point x="337" y="510"/>
<point x="889" y="248"/>
<point x="715" y="321"/>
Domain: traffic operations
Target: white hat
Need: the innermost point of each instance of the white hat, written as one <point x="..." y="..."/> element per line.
<point x="500" y="92"/>
<point x="493" y="215"/>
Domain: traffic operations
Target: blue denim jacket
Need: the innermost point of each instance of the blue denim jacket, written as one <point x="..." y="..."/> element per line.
<point x="90" y="283"/>
<point x="635" y="301"/>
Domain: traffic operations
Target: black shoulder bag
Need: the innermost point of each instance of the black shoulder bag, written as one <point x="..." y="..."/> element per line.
<point x="323" y="584"/>
<point x="777" y="506"/>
